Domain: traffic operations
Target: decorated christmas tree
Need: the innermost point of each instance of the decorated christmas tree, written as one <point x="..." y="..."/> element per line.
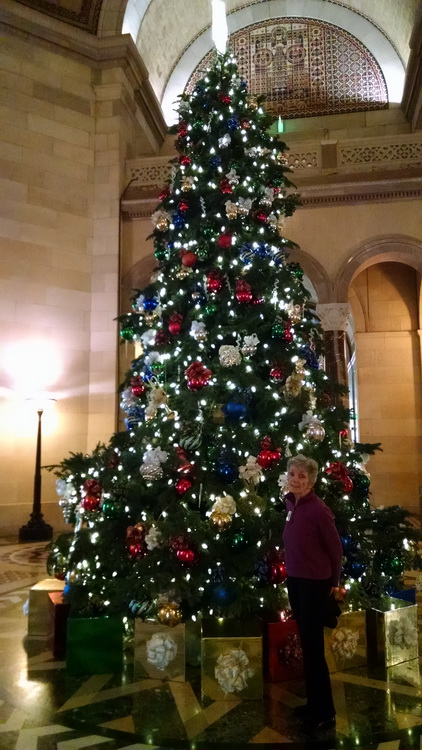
<point x="181" y="515"/>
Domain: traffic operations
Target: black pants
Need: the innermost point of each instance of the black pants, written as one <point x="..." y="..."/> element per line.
<point x="308" y="600"/>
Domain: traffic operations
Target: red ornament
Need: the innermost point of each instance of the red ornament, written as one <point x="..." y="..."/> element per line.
<point x="138" y="386"/>
<point x="265" y="459"/>
<point x="135" y="533"/>
<point x="268" y="456"/>
<point x="183" y="132"/>
<point x="186" y="556"/>
<point x="245" y="124"/>
<point x="175" y="323"/>
<point x="164" y="193"/>
<point x="224" y="241"/>
<point x="179" y="542"/>
<point x="60" y="576"/>
<point x="261" y="216"/>
<point x="277" y="572"/>
<point x="276" y="374"/>
<point x="337" y="470"/>
<point x="257" y="300"/>
<point x="344" y="434"/>
<point x="224" y="98"/>
<point x="185" y="466"/>
<point x="93" y="488"/>
<point x="183" y="206"/>
<point x="287" y="335"/>
<point x="215" y="282"/>
<point x="136" y="550"/>
<point x="197" y="375"/>
<point x="184" y="160"/>
<point x="183" y="485"/>
<point x="347" y="484"/>
<point x="225" y="186"/>
<point x="243" y="292"/>
<point x="189" y="259"/>
<point x="91" y="503"/>
<point x="160" y="338"/>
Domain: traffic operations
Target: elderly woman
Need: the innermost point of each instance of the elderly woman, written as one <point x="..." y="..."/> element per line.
<point x="313" y="554"/>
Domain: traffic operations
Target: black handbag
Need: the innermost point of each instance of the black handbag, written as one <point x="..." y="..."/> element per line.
<point x="332" y="612"/>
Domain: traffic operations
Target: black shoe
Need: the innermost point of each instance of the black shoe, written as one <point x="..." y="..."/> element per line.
<point x="302" y="711"/>
<point x="318" y="723"/>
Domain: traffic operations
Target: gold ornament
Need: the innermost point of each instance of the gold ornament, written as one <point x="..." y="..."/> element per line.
<point x="183" y="272"/>
<point x="281" y="226"/>
<point x="218" y="416"/>
<point x="150" y="317"/>
<point x="186" y="184"/>
<point x="201" y="335"/>
<point x="169" y="614"/>
<point x="162" y="224"/>
<point x="293" y="385"/>
<point x="295" y="312"/>
<point x="221" y="520"/>
<point x="247" y="505"/>
<point x="251" y="99"/>
<point x="231" y="210"/>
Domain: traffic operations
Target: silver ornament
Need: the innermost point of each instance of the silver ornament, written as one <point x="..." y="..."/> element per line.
<point x="314" y="432"/>
<point x="151" y="471"/>
<point x="229" y="356"/>
<point x="247" y="350"/>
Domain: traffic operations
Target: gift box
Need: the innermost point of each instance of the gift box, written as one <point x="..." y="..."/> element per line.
<point x="39" y="606"/>
<point x="345" y="646"/>
<point x="392" y="632"/>
<point x="283" y="658"/>
<point x="231" y="660"/>
<point x="406" y="673"/>
<point x="59" y="612"/>
<point x="94" y="645"/>
<point x="159" y="651"/>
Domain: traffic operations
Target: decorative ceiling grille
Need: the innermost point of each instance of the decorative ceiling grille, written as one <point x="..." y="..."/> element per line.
<point x="305" y="68"/>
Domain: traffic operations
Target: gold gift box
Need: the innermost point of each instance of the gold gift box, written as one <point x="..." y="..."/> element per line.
<point x="231" y="660"/>
<point x="392" y="632"/>
<point x="159" y="651"/>
<point x="345" y="645"/>
<point x="39" y="621"/>
<point x="406" y="673"/>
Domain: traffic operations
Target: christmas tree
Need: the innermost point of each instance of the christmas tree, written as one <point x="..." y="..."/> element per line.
<point x="181" y="514"/>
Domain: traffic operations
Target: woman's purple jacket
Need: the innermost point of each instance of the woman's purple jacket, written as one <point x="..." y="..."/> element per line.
<point x="312" y="544"/>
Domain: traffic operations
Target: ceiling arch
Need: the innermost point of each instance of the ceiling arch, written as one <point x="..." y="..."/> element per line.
<point x="184" y="37"/>
<point x="373" y="39"/>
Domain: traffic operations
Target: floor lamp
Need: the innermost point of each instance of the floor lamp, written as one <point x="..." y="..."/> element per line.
<point x="37" y="530"/>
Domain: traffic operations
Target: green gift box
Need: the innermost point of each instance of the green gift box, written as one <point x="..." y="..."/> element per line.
<point x="94" y="645"/>
<point x="231" y="660"/>
<point x="345" y="646"/>
<point x="392" y="632"/>
<point x="39" y="621"/>
<point x="159" y="651"/>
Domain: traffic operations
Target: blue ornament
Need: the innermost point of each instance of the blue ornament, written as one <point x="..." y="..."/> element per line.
<point x="232" y="123"/>
<point x="226" y="471"/>
<point x="215" y="162"/>
<point x="309" y="356"/>
<point x="243" y="85"/>
<point x="224" y="594"/>
<point x="66" y="589"/>
<point x="150" y="303"/>
<point x="261" y="571"/>
<point x="246" y="253"/>
<point x="147" y="375"/>
<point x="354" y="569"/>
<point x="235" y="411"/>
<point x="278" y="256"/>
<point x="178" y="220"/>
<point x="261" y="250"/>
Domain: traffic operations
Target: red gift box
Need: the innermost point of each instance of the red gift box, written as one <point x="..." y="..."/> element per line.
<point x="282" y="651"/>
<point x="59" y="612"/>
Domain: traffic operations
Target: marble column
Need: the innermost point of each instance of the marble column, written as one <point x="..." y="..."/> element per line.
<point x="334" y="318"/>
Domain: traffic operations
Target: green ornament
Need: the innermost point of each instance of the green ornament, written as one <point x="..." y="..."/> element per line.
<point x="239" y="541"/>
<point x="202" y="253"/>
<point x="127" y="333"/>
<point x="208" y="232"/>
<point x="296" y="270"/>
<point x="157" y="367"/>
<point x="213" y="453"/>
<point x="111" y="509"/>
<point x="160" y="253"/>
<point x="210" y="309"/>
<point x="277" y="331"/>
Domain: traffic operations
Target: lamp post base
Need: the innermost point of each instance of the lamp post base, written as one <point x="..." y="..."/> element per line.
<point x="36" y="530"/>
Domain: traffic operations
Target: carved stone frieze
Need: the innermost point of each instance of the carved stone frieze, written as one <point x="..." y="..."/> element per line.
<point x="334" y="316"/>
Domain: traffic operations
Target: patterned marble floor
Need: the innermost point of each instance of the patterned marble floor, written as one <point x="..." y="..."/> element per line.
<point x="42" y="707"/>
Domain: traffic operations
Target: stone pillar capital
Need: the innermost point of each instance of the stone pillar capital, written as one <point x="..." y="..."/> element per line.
<point x="334" y="316"/>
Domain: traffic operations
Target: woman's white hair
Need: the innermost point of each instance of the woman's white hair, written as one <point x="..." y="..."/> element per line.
<point x="305" y="463"/>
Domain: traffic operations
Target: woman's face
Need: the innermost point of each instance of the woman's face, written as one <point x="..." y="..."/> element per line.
<point x="298" y="481"/>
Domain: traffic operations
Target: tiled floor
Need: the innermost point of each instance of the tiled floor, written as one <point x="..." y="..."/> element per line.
<point x="42" y="707"/>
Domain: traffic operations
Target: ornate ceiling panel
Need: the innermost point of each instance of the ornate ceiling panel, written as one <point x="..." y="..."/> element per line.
<point x="305" y="68"/>
<point x="82" y="13"/>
